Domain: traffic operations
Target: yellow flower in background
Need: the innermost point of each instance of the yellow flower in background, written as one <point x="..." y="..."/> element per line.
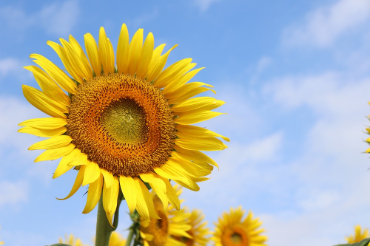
<point x="123" y="125"/>
<point x="116" y="239"/>
<point x="172" y="222"/>
<point x="199" y="232"/>
<point x="232" y="230"/>
<point x="359" y="236"/>
<point x="1" y="242"/>
<point x="71" y="240"/>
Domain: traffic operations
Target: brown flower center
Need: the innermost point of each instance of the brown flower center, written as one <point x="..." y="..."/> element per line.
<point x="235" y="237"/>
<point x="122" y="123"/>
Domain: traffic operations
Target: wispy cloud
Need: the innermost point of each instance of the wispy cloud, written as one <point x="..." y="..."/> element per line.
<point x="324" y="25"/>
<point x="56" y="18"/>
<point x="332" y="153"/>
<point x="204" y="5"/>
<point x="140" y="20"/>
<point x="13" y="192"/>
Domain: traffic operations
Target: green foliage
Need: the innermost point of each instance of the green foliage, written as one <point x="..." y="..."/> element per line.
<point x="364" y="242"/>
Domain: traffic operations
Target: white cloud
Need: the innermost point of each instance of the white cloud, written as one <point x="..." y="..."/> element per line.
<point x="241" y="165"/>
<point x="324" y="25"/>
<point x="203" y="5"/>
<point x="56" y="18"/>
<point x="13" y="192"/>
<point x="140" y="20"/>
<point x="328" y="182"/>
<point x="9" y="65"/>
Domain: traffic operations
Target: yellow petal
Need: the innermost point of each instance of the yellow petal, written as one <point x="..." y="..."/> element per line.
<point x="129" y="191"/>
<point x="53" y="154"/>
<point x="171" y="194"/>
<point x="135" y="49"/>
<point x="148" y="200"/>
<point x="146" y="56"/>
<point x="63" y="166"/>
<point x="48" y="86"/>
<point x="104" y="52"/>
<point x="141" y="205"/>
<point x="110" y="196"/>
<point x="178" y="92"/>
<point x="194" y="155"/>
<point x="56" y="73"/>
<point x="44" y="103"/>
<point x="205" y="144"/>
<point x="197" y="132"/>
<point x="93" y="195"/>
<point x="157" y="67"/>
<point x="196" y="118"/>
<point x="79" y="160"/>
<point x="174" y="71"/>
<point x="158" y="186"/>
<point x="52" y="143"/>
<point x="111" y="54"/>
<point x="62" y="53"/>
<point x="77" y="183"/>
<point x="45" y="123"/>
<point x="197" y="104"/>
<point x="156" y="54"/>
<point x="108" y="178"/>
<point x="188" y="94"/>
<point x="181" y="81"/>
<point x="82" y="59"/>
<point x="43" y="132"/>
<point x="123" y="50"/>
<point x="93" y="53"/>
<point x="92" y="172"/>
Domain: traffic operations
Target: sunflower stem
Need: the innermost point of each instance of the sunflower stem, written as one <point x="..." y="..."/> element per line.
<point x="129" y="238"/>
<point x="103" y="228"/>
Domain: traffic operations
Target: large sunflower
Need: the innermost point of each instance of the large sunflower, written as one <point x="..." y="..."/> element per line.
<point x="232" y="230"/>
<point x="123" y="125"/>
<point x="71" y="240"/>
<point x="359" y="236"/>
<point x="172" y="223"/>
<point x="198" y="232"/>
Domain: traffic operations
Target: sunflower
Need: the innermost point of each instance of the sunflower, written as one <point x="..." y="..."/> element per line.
<point x="116" y="240"/>
<point x="123" y="125"/>
<point x="71" y="240"/>
<point x="232" y="230"/>
<point x="172" y="223"/>
<point x="359" y="236"/>
<point x="199" y="232"/>
<point x="1" y="242"/>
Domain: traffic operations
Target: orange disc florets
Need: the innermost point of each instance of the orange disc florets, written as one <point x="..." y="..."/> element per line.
<point x="123" y="123"/>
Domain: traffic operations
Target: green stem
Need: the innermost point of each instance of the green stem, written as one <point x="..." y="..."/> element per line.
<point x="103" y="228"/>
<point x="129" y="238"/>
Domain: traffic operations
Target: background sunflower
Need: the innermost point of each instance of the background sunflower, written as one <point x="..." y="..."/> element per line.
<point x="231" y="229"/>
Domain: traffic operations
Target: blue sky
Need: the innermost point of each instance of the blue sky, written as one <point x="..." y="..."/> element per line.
<point x="295" y="76"/>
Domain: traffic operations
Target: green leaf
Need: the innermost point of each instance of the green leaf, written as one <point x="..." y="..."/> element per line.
<point x="364" y="242"/>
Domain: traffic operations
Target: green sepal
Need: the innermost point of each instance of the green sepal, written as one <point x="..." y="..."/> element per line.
<point x="364" y="242"/>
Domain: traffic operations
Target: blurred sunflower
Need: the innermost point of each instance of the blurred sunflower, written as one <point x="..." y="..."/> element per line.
<point x="232" y="230"/>
<point x="1" y="242"/>
<point x="123" y="125"/>
<point x="359" y="236"/>
<point x="71" y="240"/>
<point x="116" y="240"/>
<point x="199" y="232"/>
<point x="172" y="222"/>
